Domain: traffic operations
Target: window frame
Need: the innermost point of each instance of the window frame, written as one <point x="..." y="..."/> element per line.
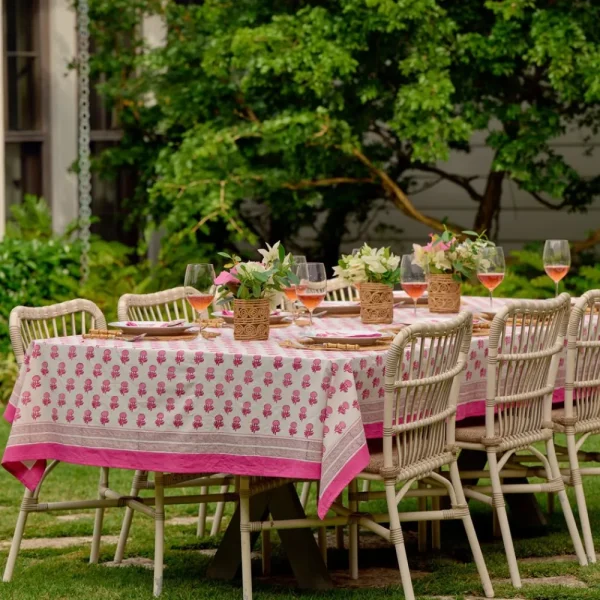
<point x="42" y="54"/>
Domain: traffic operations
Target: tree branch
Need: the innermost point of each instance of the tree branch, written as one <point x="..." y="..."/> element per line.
<point x="401" y="200"/>
<point x="305" y="183"/>
<point x="590" y="242"/>
<point x="546" y="203"/>
<point x="460" y="180"/>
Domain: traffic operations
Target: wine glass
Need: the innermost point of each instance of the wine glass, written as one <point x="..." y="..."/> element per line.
<point x="491" y="268"/>
<point x="200" y="286"/>
<point x="312" y="285"/>
<point x="298" y="259"/>
<point x="413" y="278"/>
<point x="557" y="260"/>
<point x="290" y="292"/>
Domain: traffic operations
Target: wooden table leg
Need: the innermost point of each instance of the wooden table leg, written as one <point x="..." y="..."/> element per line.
<point x="299" y="544"/>
<point x="228" y="559"/>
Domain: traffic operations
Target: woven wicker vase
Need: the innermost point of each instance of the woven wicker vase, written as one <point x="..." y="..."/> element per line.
<point x="376" y="303"/>
<point x="443" y="294"/>
<point x="251" y="320"/>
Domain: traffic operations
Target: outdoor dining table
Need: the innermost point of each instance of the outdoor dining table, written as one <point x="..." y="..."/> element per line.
<point x="213" y="406"/>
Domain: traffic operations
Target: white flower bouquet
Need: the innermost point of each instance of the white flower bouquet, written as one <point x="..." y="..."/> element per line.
<point x="369" y="265"/>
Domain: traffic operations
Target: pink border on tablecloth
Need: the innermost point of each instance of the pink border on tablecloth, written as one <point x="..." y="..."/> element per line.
<point x="14" y="456"/>
<point x="9" y="413"/>
<point x="476" y="408"/>
<point x="348" y="472"/>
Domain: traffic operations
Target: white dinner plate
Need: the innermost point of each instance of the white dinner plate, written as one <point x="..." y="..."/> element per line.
<point x="149" y="327"/>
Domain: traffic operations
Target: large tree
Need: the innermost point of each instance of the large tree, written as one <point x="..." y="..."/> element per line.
<point x="260" y="116"/>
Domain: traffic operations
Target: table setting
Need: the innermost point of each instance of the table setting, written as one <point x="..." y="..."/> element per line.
<point x="302" y="399"/>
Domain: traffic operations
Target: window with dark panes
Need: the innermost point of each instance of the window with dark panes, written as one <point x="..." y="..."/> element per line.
<point x="26" y="163"/>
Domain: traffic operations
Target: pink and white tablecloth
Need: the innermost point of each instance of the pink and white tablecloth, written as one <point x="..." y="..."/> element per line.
<point x="247" y="408"/>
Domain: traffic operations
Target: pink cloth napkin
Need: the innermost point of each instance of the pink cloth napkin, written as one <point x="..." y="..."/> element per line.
<point x="229" y="313"/>
<point x="167" y="324"/>
<point x="346" y="334"/>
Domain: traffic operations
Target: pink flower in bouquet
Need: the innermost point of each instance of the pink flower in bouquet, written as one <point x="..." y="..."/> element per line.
<point x="226" y="277"/>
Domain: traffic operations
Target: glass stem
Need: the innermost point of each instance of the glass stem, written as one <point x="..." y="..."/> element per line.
<point x="491" y="299"/>
<point x="415" y="301"/>
<point x="556" y="285"/>
<point x="310" y="317"/>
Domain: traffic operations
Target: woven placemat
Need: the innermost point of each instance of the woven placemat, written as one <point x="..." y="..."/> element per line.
<point x="214" y="322"/>
<point x="329" y="347"/>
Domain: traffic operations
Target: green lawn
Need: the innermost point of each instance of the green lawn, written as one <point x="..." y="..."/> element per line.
<point x="64" y="573"/>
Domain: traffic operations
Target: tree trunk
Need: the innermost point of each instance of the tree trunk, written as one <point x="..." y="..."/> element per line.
<point x="489" y="207"/>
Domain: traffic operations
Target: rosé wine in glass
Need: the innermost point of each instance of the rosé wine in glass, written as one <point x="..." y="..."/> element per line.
<point x="200" y="286"/>
<point x="413" y="289"/>
<point x="413" y="278"/>
<point x="557" y="260"/>
<point x="312" y="286"/>
<point x="200" y="302"/>
<point x="490" y="268"/>
<point x="290" y="292"/>
<point x="490" y="280"/>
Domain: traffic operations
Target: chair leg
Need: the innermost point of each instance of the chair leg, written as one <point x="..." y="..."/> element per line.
<point x="564" y="502"/>
<point x="500" y="507"/>
<point x="201" y="527"/>
<point x="339" y="530"/>
<point x="353" y="533"/>
<point x="216" y="524"/>
<point x="305" y="493"/>
<point x="128" y="518"/>
<point x="484" y="575"/>
<point x="159" y="533"/>
<point x="422" y="525"/>
<point x="398" y="540"/>
<point x="322" y="536"/>
<point x="99" y="518"/>
<point x="15" y="545"/>
<point x="436" y="526"/>
<point x="580" y="498"/>
<point x="246" y="545"/>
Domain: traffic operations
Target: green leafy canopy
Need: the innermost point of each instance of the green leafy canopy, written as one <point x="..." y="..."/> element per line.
<point x="282" y="117"/>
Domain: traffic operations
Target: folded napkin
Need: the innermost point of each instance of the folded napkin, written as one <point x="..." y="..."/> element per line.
<point x="152" y="324"/>
<point x="229" y="313"/>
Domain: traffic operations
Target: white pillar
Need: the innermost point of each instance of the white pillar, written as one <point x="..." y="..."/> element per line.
<point x="2" y="165"/>
<point x="63" y="113"/>
<point x="154" y="31"/>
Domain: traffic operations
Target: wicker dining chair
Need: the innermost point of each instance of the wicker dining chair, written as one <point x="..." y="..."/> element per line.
<point x="340" y="290"/>
<point x="526" y="339"/>
<point x="580" y="417"/>
<point x="26" y="324"/>
<point x="422" y="380"/>
<point x="159" y="306"/>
